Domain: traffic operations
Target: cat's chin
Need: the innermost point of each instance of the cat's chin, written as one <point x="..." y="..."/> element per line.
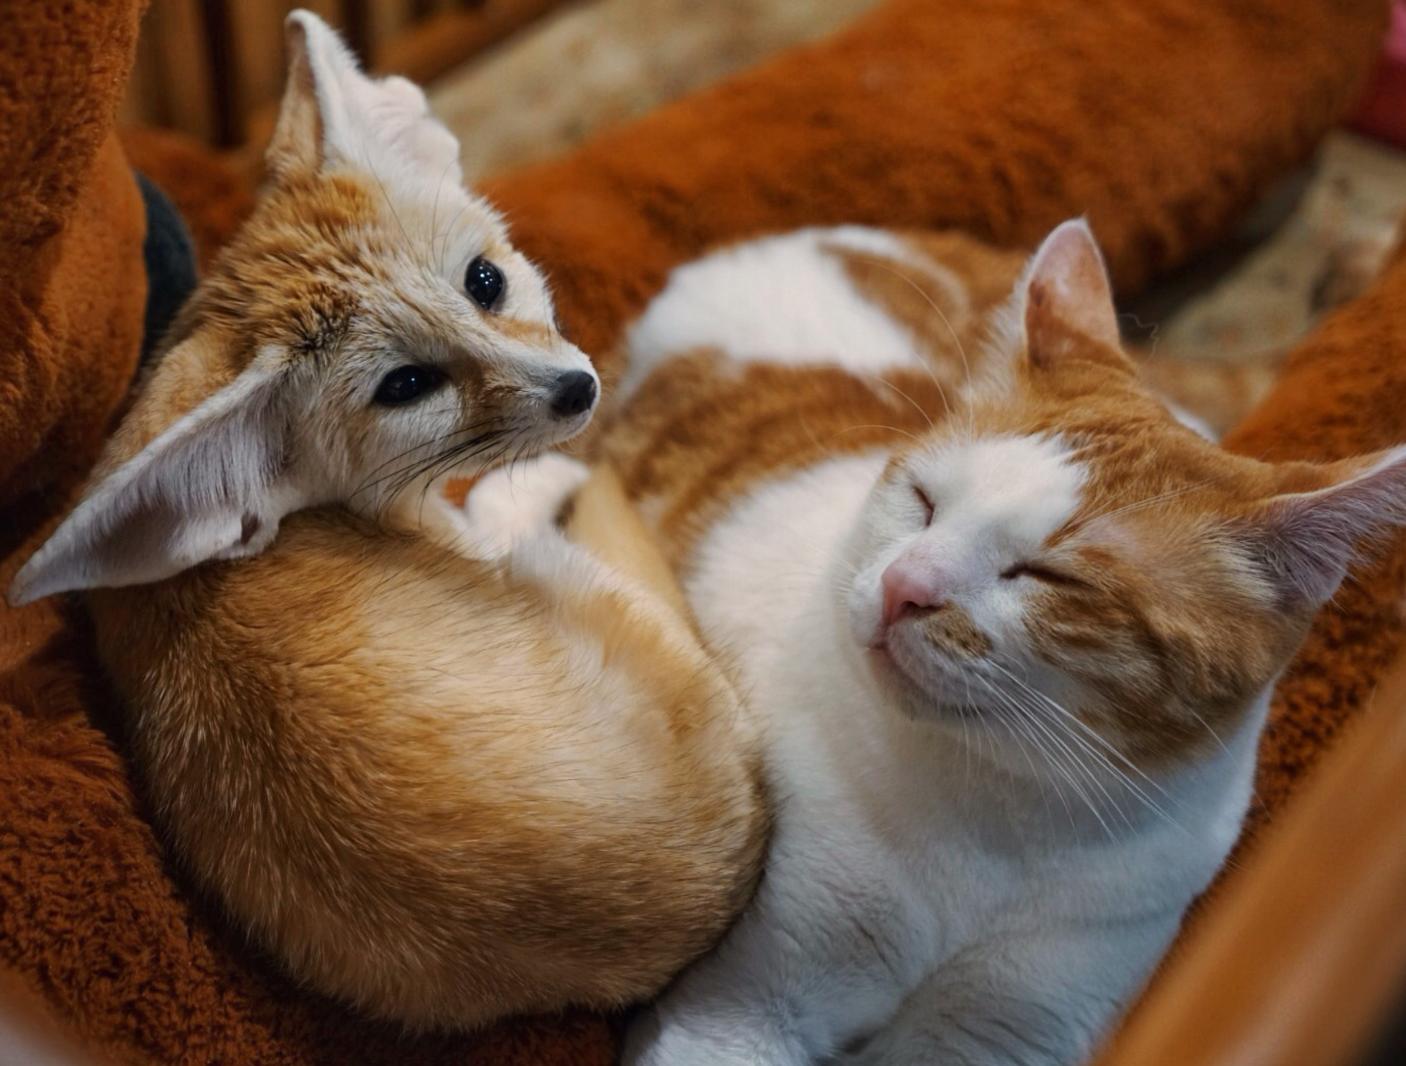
<point x="919" y="700"/>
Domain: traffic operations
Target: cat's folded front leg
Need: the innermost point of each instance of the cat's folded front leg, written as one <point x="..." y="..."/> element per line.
<point x="800" y="972"/>
<point x="1037" y="1000"/>
<point x="686" y="1032"/>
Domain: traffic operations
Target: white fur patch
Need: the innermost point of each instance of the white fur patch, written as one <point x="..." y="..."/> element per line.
<point x="516" y="502"/>
<point x="778" y="300"/>
<point x="996" y="501"/>
<point x="745" y="587"/>
<point x="1007" y="494"/>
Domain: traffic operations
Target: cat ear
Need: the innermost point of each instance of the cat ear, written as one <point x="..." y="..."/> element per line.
<point x="334" y="114"/>
<point x="1306" y="541"/>
<point x="207" y="487"/>
<point x="1067" y="290"/>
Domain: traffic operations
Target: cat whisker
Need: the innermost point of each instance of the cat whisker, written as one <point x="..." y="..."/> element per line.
<point x="1042" y="725"/>
<point x="1021" y="736"/>
<point x="434" y="211"/>
<point x="892" y="429"/>
<point x="1207" y="726"/>
<point x="886" y="265"/>
<point x="1060" y="759"/>
<point x="385" y="194"/>
<point x="1058" y="716"/>
<point x="1083" y="726"/>
<point x="1150" y="501"/>
<point x="880" y="379"/>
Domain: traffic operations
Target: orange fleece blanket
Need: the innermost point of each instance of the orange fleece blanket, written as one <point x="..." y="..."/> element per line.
<point x="1160" y="119"/>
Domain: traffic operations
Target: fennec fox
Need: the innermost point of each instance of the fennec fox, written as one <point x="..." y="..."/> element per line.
<point x="440" y="785"/>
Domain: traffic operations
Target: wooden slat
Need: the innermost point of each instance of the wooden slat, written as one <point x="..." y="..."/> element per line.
<point x="176" y="84"/>
<point x="214" y="68"/>
<point x="226" y="68"/>
<point x="1304" y="956"/>
<point x="257" y="33"/>
<point x="142" y="101"/>
<point x="426" y="50"/>
<point x="387" y="20"/>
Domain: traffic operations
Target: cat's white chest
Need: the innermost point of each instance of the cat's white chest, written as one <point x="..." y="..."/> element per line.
<point x="886" y="815"/>
<point x="762" y="576"/>
<point x="862" y="791"/>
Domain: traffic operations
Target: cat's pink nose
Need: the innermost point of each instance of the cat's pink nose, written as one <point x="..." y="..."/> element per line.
<point x="906" y="587"/>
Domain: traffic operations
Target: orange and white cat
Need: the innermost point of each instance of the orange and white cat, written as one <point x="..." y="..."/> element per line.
<point x="440" y="770"/>
<point x="1010" y="640"/>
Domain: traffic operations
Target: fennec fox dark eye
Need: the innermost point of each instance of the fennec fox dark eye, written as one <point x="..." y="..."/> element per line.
<point x="484" y="283"/>
<point x="406" y="384"/>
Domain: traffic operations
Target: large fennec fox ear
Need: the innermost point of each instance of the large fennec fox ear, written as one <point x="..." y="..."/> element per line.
<point x="210" y="486"/>
<point x="1306" y="541"/>
<point x="334" y="115"/>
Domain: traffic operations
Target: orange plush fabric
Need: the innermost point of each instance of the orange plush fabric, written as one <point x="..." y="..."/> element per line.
<point x="1342" y="393"/>
<point x="212" y="192"/>
<point x="1158" y="118"/>
<point x="71" y="227"/>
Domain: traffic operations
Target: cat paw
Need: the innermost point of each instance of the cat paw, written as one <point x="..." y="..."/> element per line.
<point x="519" y="501"/>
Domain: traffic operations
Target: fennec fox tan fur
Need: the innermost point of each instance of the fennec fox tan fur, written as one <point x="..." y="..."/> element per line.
<point x="440" y="786"/>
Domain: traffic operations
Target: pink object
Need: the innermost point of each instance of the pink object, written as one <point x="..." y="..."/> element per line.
<point x="1382" y="112"/>
<point x="906" y="585"/>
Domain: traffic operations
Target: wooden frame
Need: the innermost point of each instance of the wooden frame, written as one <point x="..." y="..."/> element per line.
<point x="213" y="69"/>
<point x="1302" y="960"/>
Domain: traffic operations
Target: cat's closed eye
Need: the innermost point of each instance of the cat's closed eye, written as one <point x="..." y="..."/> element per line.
<point x="1037" y="572"/>
<point x="929" y="509"/>
<point x="484" y="283"/>
<point x="406" y="384"/>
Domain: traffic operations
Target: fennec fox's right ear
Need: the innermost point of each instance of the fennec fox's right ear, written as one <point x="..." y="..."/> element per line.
<point x="209" y="486"/>
<point x="334" y="115"/>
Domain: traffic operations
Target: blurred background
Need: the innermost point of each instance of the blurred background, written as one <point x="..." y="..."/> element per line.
<point x="520" y="80"/>
<point x="525" y="77"/>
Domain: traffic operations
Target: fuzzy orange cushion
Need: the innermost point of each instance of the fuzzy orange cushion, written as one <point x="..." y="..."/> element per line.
<point x="1160" y="119"/>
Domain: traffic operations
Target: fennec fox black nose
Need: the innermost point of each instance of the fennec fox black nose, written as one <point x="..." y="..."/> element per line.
<point x="574" y="393"/>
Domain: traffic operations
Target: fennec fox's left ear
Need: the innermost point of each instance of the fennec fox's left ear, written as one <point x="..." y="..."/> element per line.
<point x="210" y="486"/>
<point x="333" y="115"/>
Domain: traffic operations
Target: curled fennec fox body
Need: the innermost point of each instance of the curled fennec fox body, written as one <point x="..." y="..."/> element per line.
<point x="444" y="785"/>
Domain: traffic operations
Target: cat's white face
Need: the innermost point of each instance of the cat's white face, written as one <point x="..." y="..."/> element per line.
<point x="1061" y="562"/>
<point x="954" y="544"/>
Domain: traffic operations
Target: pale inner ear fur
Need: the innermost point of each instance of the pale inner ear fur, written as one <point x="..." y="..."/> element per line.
<point x="1067" y="284"/>
<point x="1308" y="540"/>
<point x="210" y="486"/>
